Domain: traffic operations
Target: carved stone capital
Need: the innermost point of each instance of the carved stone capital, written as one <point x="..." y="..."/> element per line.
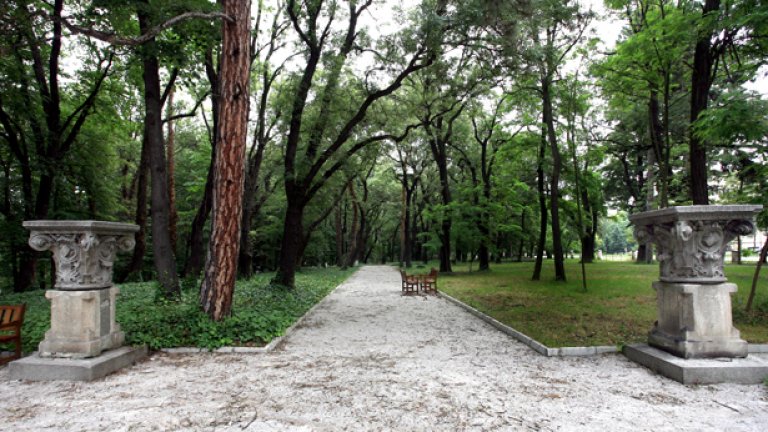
<point x="692" y="241"/>
<point x="84" y="251"/>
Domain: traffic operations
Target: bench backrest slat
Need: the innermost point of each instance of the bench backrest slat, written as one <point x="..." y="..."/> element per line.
<point x="11" y="313"/>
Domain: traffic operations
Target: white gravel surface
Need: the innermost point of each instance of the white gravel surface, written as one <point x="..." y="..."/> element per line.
<point x="367" y="359"/>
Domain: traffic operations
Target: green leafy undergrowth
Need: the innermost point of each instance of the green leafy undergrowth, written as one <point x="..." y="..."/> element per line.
<point x="618" y="307"/>
<point x="260" y="312"/>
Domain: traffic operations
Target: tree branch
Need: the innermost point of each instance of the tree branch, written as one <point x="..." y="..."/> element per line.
<point x="113" y="39"/>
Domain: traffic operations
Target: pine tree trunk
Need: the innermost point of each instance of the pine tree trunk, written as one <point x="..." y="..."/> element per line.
<point x="229" y="173"/>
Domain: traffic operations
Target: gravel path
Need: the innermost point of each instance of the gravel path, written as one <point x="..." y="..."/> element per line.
<point x="370" y="359"/>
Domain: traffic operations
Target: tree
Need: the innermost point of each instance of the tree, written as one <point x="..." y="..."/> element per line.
<point x="164" y="257"/>
<point x="561" y="27"/>
<point x="325" y="149"/>
<point x="221" y="264"/>
<point x="264" y="133"/>
<point x="410" y="165"/>
<point x="42" y="130"/>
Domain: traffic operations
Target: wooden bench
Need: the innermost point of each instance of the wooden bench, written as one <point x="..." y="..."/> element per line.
<point x="410" y="283"/>
<point x="428" y="282"/>
<point x="11" y="319"/>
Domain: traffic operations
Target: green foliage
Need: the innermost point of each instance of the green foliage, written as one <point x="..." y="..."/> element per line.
<point x="616" y="234"/>
<point x="260" y="313"/>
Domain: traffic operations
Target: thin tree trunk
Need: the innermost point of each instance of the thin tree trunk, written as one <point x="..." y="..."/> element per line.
<point x="588" y="239"/>
<point x="439" y="151"/>
<point x="339" y="237"/>
<point x="760" y="262"/>
<point x="542" y="208"/>
<point x="229" y="174"/>
<point x="353" y="232"/>
<point x="554" y="191"/>
<point x="522" y="235"/>
<point x="137" y="258"/>
<point x="170" y="145"/>
<point x="196" y="259"/>
<point x="196" y="243"/>
<point x="407" y="243"/>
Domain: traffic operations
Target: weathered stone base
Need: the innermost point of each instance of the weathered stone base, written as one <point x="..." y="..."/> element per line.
<point x="749" y="370"/>
<point x="694" y="321"/>
<point x="36" y="368"/>
<point x="82" y="324"/>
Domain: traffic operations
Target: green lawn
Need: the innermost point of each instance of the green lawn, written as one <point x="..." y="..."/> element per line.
<point x="619" y="306"/>
<point x="260" y="312"/>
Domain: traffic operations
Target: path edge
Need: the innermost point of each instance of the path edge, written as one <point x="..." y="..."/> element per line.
<point x="561" y="351"/>
<point x="529" y="341"/>
<point x="272" y="345"/>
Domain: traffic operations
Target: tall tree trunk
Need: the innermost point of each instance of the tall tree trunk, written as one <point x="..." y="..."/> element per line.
<point x="250" y="207"/>
<point x="439" y="152"/>
<point x="542" y="207"/>
<point x="137" y="258"/>
<point x="339" y="235"/>
<point x="354" y="229"/>
<point x="701" y="83"/>
<point x="229" y="174"/>
<point x="196" y="243"/>
<point x="522" y="235"/>
<point x="293" y="232"/>
<point x="656" y="155"/>
<point x="165" y="261"/>
<point x="170" y="145"/>
<point x="554" y="191"/>
<point x="407" y="241"/>
<point x="483" y="253"/>
<point x="588" y="239"/>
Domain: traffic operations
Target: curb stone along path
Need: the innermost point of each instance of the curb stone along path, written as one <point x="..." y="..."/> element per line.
<point x="367" y="359"/>
<point x="560" y="351"/>
<point x="533" y="343"/>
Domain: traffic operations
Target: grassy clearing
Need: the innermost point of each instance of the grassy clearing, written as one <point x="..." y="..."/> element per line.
<point x="260" y="312"/>
<point x="619" y="306"/>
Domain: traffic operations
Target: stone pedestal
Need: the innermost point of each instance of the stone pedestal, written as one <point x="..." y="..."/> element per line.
<point x="693" y="296"/>
<point x="694" y="321"/>
<point x="693" y="337"/>
<point x="82" y="302"/>
<point x="82" y="324"/>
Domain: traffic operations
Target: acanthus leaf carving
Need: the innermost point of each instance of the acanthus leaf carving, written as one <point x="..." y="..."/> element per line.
<point x="84" y="260"/>
<point x="691" y="250"/>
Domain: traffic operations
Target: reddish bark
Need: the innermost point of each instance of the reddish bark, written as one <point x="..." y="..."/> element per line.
<point x="229" y="172"/>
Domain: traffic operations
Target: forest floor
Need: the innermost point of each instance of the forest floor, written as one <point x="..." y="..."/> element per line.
<point x="368" y="358"/>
